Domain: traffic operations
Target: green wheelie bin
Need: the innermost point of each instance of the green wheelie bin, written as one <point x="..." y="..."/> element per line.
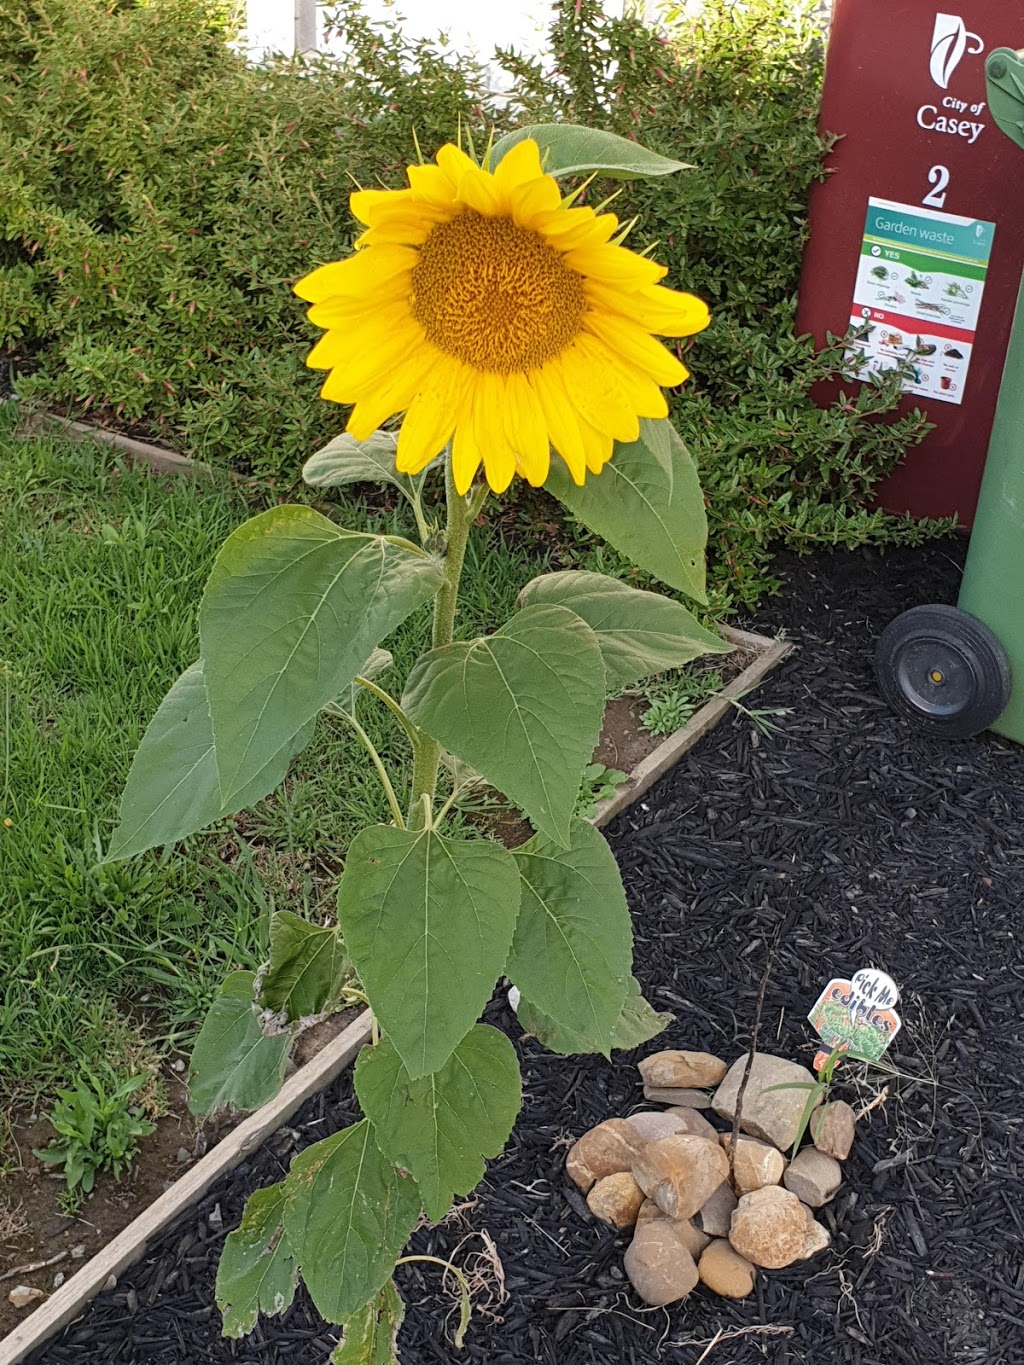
<point x="960" y="670"/>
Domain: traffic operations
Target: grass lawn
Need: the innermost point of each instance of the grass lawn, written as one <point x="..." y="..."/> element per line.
<point x="101" y="571"/>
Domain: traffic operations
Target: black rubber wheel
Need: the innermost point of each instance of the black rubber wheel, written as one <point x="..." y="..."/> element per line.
<point x="944" y="670"/>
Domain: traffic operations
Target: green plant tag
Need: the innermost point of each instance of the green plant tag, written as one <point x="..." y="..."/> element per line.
<point x="442" y="1126"/>
<point x="371" y="1334"/>
<point x="647" y="502"/>
<point x="292" y="609"/>
<point x="427" y="922"/>
<point x="569" y="149"/>
<point x="257" y="1271"/>
<point x="640" y="633"/>
<point x="172" y="788"/>
<point x="523" y="707"/>
<point x="233" y="1064"/>
<point x="347" y="1216"/>
<point x="307" y="967"/>
<point x="573" y="947"/>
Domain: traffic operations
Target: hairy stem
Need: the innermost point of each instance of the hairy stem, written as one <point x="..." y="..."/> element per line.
<point x="461" y="514"/>
<point x="378" y="763"/>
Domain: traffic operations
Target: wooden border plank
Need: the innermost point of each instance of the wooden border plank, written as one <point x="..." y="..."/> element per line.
<point x="130" y="1244"/>
<point x="160" y="458"/>
<point x="770" y="653"/>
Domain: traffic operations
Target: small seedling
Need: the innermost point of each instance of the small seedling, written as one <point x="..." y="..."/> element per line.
<point x="599" y="784"/>
<point x="673" y="702"/>
<point x="97" y="1130"/>
<point x="815" y="1090"/>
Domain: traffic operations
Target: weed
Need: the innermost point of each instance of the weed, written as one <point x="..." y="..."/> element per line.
<point x="675" y="697"/>
<point x="599" y="784"/>
<point x="97" y="1129"/>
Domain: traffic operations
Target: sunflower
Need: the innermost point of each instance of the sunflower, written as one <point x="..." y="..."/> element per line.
<point x="498" y="316"/>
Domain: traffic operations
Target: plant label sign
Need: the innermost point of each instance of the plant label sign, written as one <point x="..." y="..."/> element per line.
<point x="856" y="1016"/>
<point x="919" y="284"/>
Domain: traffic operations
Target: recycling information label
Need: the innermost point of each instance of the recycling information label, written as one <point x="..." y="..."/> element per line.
<point x="919" y="285"/>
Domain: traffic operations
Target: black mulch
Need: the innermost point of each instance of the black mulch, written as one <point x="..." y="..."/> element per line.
<point x="854" y="842"/>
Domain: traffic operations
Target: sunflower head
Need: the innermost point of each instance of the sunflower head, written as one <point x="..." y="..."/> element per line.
<point x="496" y="315"/>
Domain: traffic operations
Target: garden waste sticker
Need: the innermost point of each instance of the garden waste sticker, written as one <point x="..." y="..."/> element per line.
<point x="920" y="280"/>
<point x="858" y="1016"/>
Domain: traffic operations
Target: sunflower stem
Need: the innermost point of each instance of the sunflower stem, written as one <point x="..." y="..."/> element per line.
<point x="461" y="514"/>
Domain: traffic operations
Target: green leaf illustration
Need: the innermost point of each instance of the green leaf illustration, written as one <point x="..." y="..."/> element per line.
<point x="427" y="922"/>
<point x="307" y="967"/>
<point x="640" y="633"/>
<point x="233" y="1065"/>
<point x="257" y="1271"/>
<point x="292" y="609"/>
<point x="572" y="150"/>
<point x="442" y="1126"/>
<point x="172" y="788"/>
<point x="648" y="503"/>
<point x="523" y="707"/>
<point x="348" y="1215"/>
<point x="573" y="946"/>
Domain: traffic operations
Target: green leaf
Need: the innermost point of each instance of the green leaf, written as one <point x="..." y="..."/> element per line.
<point x="573" y="946"/>
<point x="646" y="502"/>
<point x="639" y="1021"/>
<point x="233" y="1065"/>
<point x="441" y="1126"/>
<point x="257" y="1272"/>
<point x="523" y="707"/>
<point x="172" y="788"/>
<point x="346" y="460"/>
<point x="572" y="150"/>
<point x="291" y="611"/>
<point x="639" y="632"/>
<point x="427" y="922"/>
<point x="371" y="1333"/>
<point x="308" y="966"/>
<point x="348" y="1215"/>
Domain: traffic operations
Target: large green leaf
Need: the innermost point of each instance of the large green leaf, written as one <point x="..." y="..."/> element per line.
<point x="292" y="609"/>
<point x="640" y="633"/>
<point x="523" y="707"/>
<point x="573" y="946"/>
<point x="307" y="969"/>
<point x="172" y="788"/>
<point x="440" y="1127"/>
<point x="348" y="1215"/>
<point x="371" y="1333"/>
<point x="234" y="1065"/>
<point x="346" y="460"/>
<point x="638" y="1023"/>
<point x="572" y="150"/>
<point x="647" y="502"/>
<point x="427" y="922"/>
<point x="257" y="1271"/>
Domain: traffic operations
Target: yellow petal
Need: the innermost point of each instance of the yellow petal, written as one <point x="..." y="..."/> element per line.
<point x="430" y="420"/>
<point x="359" y="273"/>
<point x="534" y="200"/>
<point x="598" y="447"/>
<point x="405" y="231"/>
<point x="639" y="391"/>
<point x="566" y="232"/>
<point x="519" y="165"/>
<point x="345" y="309"/>
<point x="654" y="308"/>
<point x="394" y="394"/>
<point x="358" y="335"/>
<point x="367" y="205"/>
<point x="560" y="417"/>
<point x="489" y="431"/>
<point x="624" y="338"/>
<point x="346" y="383"/>
<point x="616" y="265"/>
<point x="593" y="392"/>
<point x="477" y="190"/>
<point x="527" y="430"/>
<point x="430" y="184"/>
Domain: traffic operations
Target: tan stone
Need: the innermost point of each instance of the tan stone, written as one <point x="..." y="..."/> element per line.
<point x="651" y="1124"/>
<point x="659" y="1267"/>
<point x="686" y="1229"/>
<point x="682" y="1070"/>
<point x="684" y="1099"/>
<point x="771" y="1114"/>
<point x="695" y="1122"/>
<point x="648" y="1210"/>
<point x="755" y="1163"/>
<point x="769" y="1227"/>
<point x="616" y="1199"/>
<point x="681" y="1173"/>
<point x="832" y="1128"/>
<point x="24" y="1295"/>
<point x="813" y="1177"/>
<point x="606" y="1149"/>
<point x="725" y="1271"/>
<point x="817" y="1237"/>
<point x="715" y="1216"/>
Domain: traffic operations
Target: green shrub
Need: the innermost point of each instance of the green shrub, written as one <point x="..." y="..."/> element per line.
<point x="158" y="195"/>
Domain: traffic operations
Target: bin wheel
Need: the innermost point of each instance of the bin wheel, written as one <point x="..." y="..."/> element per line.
<point x="944" y="670"/>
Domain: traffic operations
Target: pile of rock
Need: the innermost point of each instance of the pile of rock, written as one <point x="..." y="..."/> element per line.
<point x="703" y="1207"/>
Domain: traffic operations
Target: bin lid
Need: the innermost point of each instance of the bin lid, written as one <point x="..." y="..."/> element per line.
<point x="1004" y="73"/>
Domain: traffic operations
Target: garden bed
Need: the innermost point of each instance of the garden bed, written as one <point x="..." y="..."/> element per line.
<point x="838" y="839"/>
